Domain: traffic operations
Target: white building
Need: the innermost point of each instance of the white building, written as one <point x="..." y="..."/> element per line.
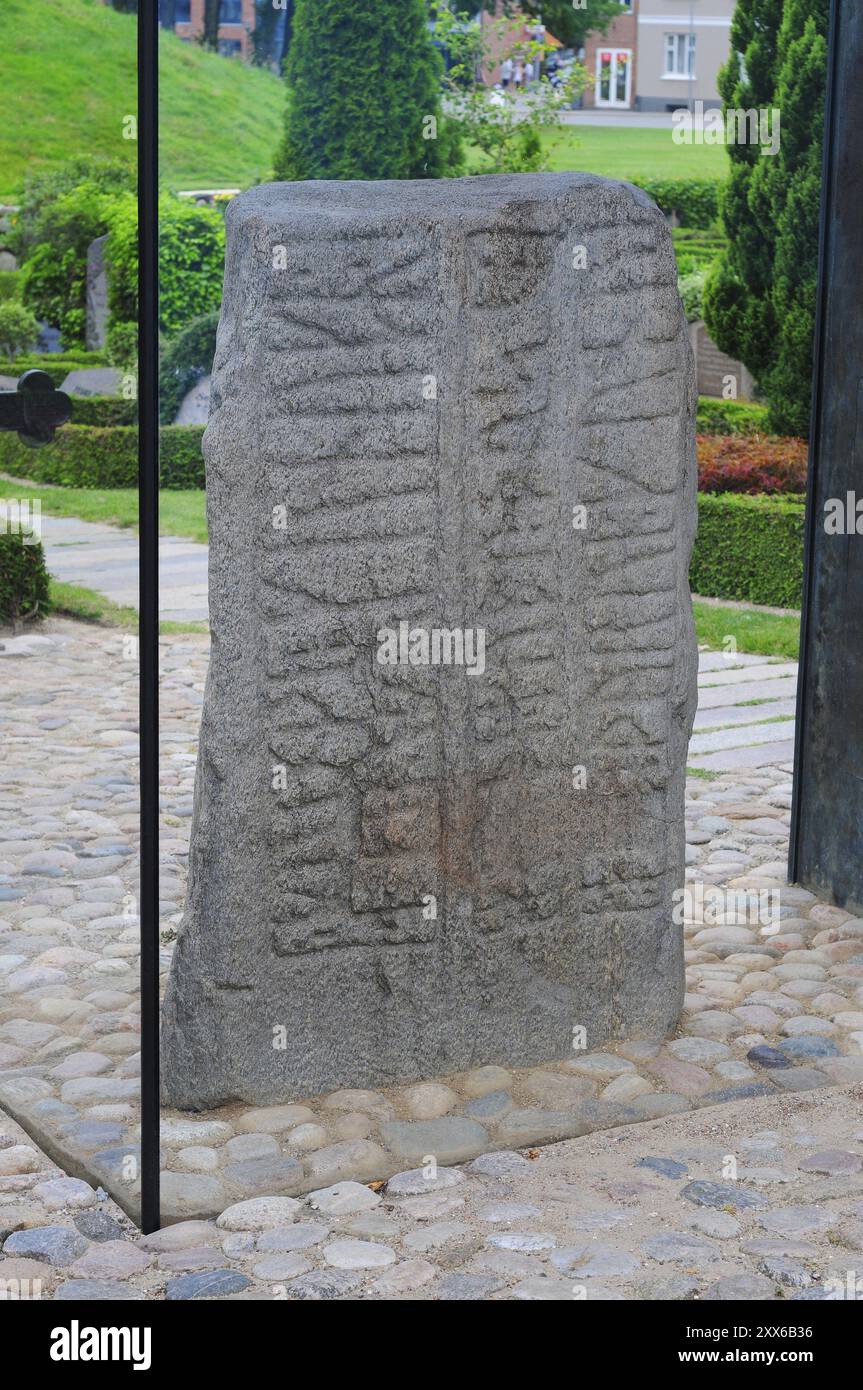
<point x="681" y="46"/>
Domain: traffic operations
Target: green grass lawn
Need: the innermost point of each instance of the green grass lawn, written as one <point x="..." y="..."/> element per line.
<point x="69" y="80"/>
<point x="769" y="634"/>
<point x="626" y="152"/>
<point x="88" y="606"/>
<point x="180" y="513"/>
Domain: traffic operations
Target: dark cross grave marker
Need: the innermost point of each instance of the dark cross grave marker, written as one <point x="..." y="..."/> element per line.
<point x="35" y="409"/>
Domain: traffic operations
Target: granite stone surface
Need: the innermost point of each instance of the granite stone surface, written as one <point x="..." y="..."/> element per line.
<point x="438" y="815"/>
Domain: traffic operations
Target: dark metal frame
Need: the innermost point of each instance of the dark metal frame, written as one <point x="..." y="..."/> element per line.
<point x="804" y="673"/>
<point x="148" y="580"/>
<point x="807" y="673"/>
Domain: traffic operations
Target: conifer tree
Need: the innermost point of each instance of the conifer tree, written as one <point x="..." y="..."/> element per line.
<point x="364" y="94"/>
<point x="759" y="300"/>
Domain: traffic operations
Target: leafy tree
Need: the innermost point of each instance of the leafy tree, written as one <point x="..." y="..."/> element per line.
<point x="55" y="273"/>
<point x="191" y="261"/>
<point x="121" y="346"/>
<point x="184" y="361"/>
<point x="508" y="133"/>
<point x="364" y="94"/>
<point x="43" y="189"/>
<point x="569" y="20"/>
<point x="18" y="329"/>
<point x="759" y="300"/>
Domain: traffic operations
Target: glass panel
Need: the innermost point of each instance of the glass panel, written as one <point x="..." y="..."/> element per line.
<point x="69" y="687"/>
<point x="621" y="71"/>
<point x="403" y="384"/>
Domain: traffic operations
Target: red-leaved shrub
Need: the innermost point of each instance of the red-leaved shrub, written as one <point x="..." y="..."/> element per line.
<point x="751" y="463"/>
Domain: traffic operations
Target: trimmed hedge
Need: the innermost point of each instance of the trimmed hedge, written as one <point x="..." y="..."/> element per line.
<point x="695" y="202"/>
<point x="730" y="417"/>
<point x="695" y="249"/>
<point x="58" y="365"/>
<point x="103" y="410"/>
<point x="23" y="579"/>
<point x="181" y="460"/>
<point x="749" y="549"/>
<point x="91" y="456"/>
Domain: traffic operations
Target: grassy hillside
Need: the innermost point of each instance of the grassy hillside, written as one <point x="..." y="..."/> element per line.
<point x="69" y="80"/>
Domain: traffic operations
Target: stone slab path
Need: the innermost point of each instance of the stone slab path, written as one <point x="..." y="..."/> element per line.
<point x="773" y="1013"/>
<point x="745" y="716"/>
<point x="105" y="558"/>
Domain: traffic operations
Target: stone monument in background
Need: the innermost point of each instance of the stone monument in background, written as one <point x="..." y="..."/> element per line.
<point x="451" y="488"/>
<point x="96" y="332"/>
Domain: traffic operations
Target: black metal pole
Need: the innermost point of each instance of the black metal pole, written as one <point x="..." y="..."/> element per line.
<point x="804" y="673"/>
<point x="148" y="580"/>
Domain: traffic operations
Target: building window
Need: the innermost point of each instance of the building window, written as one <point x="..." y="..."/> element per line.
<point x="679" y="55"/>
<point x="230" y="48"/>
<point x="231" y="12"/>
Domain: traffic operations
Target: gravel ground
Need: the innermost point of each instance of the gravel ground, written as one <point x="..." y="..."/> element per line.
<point x="772" y="1031"/>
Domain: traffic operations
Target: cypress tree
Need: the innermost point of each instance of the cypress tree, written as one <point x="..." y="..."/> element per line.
<point x="363" y="81"/>
<point x="795" y="194"/>
<point x="759" y="300"/>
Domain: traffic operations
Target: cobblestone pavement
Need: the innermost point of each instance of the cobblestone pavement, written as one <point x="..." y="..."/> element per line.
<point x="754" y="1200"/>
<point x="773" y="1024"/>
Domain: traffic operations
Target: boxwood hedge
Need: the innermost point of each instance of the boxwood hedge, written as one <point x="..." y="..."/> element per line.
<point x="23" y="579"/>
<point x="58" y="365"/>
<point x="105" y="456"/>
<point x="694" y="202"/>
<point x="749" y="549"/>
<point x="103" y="410"/>
<point x="730" y="417"/>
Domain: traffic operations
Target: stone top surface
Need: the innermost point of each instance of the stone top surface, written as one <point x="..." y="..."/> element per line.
<point x="458" y="198"/>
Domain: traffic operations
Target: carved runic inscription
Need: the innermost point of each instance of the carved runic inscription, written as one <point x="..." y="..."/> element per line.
<point x="451" y="494"/>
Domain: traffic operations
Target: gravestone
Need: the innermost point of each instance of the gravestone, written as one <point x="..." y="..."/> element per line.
<point x="93" y="381"/>
<point x="195" y="405"/>
<point x="438" y="815"/>
<point x="715" y="371"/>
<point x="96" y="331"/>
